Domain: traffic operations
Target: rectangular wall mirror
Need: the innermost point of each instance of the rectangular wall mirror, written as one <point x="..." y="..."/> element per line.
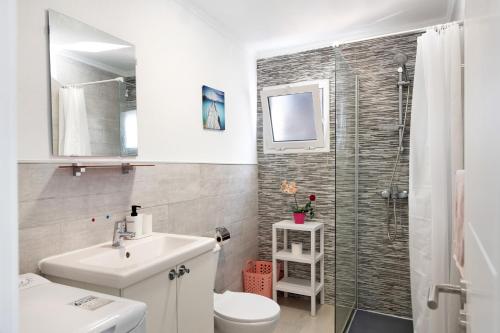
<point x="93" y="90"/>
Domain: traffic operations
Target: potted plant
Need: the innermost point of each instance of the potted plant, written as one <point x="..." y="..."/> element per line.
<point x="299" y="212"/>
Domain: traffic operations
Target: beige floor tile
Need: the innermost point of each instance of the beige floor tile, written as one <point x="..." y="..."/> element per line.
<point x="296" y="317"/>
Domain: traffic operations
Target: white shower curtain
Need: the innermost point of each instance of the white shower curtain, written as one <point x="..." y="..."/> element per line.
<point x="74" y="137"/>
<point x="436" y="151"/>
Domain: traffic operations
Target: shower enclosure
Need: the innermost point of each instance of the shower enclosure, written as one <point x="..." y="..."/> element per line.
<point x="346" y="191"/>
<point x="373" y="81"/>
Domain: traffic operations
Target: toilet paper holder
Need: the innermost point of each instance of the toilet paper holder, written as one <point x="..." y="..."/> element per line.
<point x="222" y="235"/>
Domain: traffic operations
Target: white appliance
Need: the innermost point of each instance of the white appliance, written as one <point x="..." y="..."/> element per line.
<point x="47" y="307"/>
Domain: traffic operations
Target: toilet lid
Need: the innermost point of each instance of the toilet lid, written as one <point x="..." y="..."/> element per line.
<point x="245" y="307"/>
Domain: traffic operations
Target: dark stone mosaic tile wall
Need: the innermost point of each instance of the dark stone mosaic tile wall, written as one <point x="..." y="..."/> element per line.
<point x="383" y="267"/>
<point x="313" y="172"/>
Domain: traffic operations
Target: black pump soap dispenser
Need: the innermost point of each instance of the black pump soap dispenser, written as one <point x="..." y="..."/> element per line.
<point x="134" y="222"/>
<point x="134" y="210"/>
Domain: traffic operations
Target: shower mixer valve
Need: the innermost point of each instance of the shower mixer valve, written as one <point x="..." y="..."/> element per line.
<point x="394" y="193"/>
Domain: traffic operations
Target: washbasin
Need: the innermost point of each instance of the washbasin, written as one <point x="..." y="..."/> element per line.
<point x="135" y="254"/>
<point x="136" y="260"/>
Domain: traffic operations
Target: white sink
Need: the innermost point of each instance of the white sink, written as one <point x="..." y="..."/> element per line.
<point x="119" y="268"/>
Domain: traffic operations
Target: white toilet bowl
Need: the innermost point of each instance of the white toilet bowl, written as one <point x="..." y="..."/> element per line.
<point x="237" y="312"/>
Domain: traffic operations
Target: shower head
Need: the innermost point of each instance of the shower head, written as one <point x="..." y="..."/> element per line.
<point x="400" y="59"/>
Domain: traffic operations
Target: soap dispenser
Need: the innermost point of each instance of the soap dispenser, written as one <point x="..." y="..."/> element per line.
<point x="134" y="221"/>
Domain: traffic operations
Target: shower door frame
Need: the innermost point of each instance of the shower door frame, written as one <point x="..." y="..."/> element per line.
<point x="356" y="180"/>
<point x="346" y="324"/>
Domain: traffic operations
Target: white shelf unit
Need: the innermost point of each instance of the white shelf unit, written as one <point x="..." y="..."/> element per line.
<point x="307" y="287"/>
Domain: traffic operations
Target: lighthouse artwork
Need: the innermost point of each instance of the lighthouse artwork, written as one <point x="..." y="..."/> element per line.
<point x="213" y="109"/>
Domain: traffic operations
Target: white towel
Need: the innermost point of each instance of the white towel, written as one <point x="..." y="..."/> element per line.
<point x="458" y="222"/>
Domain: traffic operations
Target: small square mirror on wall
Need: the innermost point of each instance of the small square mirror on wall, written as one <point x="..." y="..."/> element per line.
<point x="93" y="90"/>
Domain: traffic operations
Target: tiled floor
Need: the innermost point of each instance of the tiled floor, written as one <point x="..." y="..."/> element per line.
<point x="296" y="318"/>
<point x="369" y="322"/>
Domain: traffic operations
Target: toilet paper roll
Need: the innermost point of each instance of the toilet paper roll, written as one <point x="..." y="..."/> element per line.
<point x="297" y="249"/>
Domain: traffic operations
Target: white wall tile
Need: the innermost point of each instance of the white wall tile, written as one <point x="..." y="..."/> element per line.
<point x="37" y="243"/>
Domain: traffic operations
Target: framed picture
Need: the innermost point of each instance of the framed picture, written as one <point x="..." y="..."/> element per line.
<point x="213" y="112"/>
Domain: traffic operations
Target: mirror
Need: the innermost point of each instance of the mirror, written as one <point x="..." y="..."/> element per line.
<point x="93" y="90"/>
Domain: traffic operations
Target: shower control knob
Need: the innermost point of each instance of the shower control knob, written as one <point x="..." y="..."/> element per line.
<point x="403" y="195"/>
<point x="385" y="194"/>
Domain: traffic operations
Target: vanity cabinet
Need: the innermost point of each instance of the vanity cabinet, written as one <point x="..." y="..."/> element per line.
<point x="195" y="297"/>
<point x="173" y="274"/>
<point x="160" y="295"/>
<point x="179" y="299"/>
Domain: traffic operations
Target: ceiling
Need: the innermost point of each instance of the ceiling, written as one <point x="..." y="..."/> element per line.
<point x="272" y="27"/>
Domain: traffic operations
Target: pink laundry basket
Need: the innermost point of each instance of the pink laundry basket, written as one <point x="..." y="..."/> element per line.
<point x="258" y="277"/>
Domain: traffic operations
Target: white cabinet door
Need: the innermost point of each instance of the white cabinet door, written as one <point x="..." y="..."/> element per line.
<point x="159" y="294"/>
<point x="482" y="165"/>
<point x="195" y="296"/>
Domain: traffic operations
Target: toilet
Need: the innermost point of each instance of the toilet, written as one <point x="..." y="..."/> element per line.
<point x="239" y="312"/>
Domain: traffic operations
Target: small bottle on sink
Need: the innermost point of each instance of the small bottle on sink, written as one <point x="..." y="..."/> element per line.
<point x="135" y="221"/>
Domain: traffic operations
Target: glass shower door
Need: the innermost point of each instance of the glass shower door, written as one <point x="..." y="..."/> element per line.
<point x="346" y="191"/>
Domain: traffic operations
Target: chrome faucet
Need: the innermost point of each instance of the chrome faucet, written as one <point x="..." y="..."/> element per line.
<point x="120" y="232"/>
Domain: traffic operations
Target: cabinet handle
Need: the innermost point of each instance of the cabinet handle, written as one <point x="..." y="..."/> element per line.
<point x="172" y="274"/>
<point x="183" y="270"/>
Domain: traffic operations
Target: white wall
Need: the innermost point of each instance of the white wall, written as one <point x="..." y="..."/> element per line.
<point x="457" y="10"/>
<point x="8" y="170"/>
<point x="177" y="53"/>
